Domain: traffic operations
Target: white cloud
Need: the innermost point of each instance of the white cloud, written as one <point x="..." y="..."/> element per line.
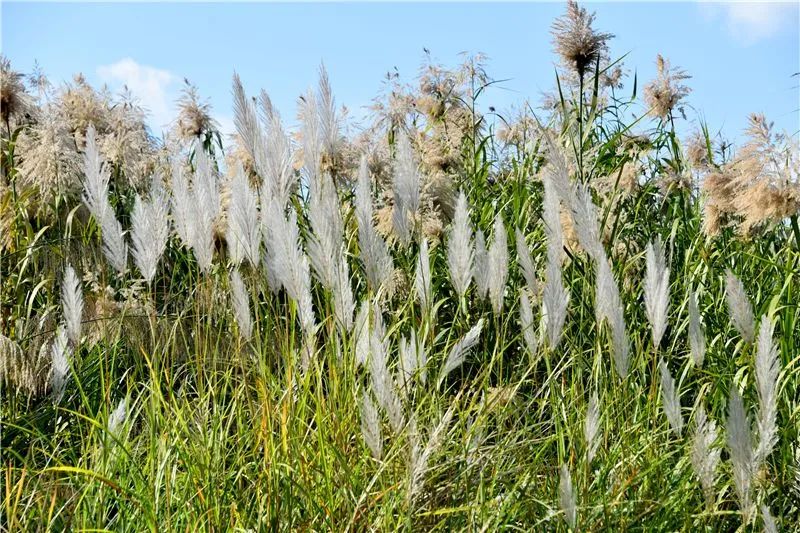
<point x="751" y="22"/>
<point x="150" y="85"/>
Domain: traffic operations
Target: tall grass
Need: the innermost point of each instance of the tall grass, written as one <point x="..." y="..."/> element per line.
<point x="301" y="345"/>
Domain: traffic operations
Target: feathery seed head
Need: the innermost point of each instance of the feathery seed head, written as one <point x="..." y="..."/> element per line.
<point x="498" y="264"/>
<point x="72" y="305"/>
<point x="578" y="44"/>
<point x="739" y="307"/>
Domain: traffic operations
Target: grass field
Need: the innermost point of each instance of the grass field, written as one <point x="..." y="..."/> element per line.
<point x="568" y="318"/>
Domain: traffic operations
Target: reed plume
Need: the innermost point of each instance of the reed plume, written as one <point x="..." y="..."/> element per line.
<point x="767" y="369"/>
<point x="150" y="230"/>
<point x="697" y="339"/>
<point x="96" y="199"/>
<point x="460" y="251"/>
<point x="656" y="290"/>
<point x="59" y="368"/>
<point x="740" y="447"/>
<point x="704" y="455"/>
<point x="422" y="279"/>
<point x="371" y="425"/>
<point x="240" y="301"/>
<point x="243" y="233"/>
<point x="458" y="353"/>
<point x="591" y="427"/>
<point x="72" y="305"/>
<point x="567" y="499"/>
<point x="480" y="266"/>
<point x="374" y="254"/>
<point x="497" y="258"/>
<point x="739" y="307"/>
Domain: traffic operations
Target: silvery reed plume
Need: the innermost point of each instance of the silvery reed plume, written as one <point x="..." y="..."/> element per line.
<point x="243" y="233"/>
<point x="181" y="202"/>
<point x="608" y="308"/>
<point x="740" y="447"/>
<point x="739" y="307"/>
<point x="150" y="229"/>
<point x="326" y="248"/>
<point x="697" y="339"/>
<point x="59" y="369"/>
<point x="371" y="425"/>
<point x="406" y="186"/>
<point x="459" y="351"/>
<point x="587" y="227"/>
<point x="767" y="370"/>
<point x="362" y="333"/>
<point x="566" y="496"/>
<point x="480" y="265"/>
<point x="525" y="262"/>
<point x="287" y="261"/>
<point x="117" y="417"/>
<point x="205" y="207"/>
<point x="413" y="360"/>
<point x="383" y="383"/>
<point x="374" y="251"/>
<point x="421" y="456"/>
<point x="95" y="196"/>
<point x="240" y="301"/>
<point x="656" y="290"/>
<point x="459" y="247"/>
<point x="72" y="304"/>
<point x="269" y="148"/>
<point x="422" y="278"/>
<point x="670" y="399"/>
<point x="705" y="455"/>
<point x="591" y="427"/>
<point x="555" y="297"/>
<point x="498" y="264"/>
<point x="769" y="521"/>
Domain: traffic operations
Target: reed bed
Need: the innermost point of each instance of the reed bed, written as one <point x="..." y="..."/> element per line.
<point x="563" y="318"/>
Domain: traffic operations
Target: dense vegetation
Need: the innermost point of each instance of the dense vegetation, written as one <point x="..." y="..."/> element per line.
<point x="559" y="318"/>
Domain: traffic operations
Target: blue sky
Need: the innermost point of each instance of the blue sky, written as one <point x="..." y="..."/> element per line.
<point x="741" y="55"/>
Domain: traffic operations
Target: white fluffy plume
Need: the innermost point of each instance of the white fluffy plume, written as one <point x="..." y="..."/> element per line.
<point x="244" y="229"/>
<point x="459" y="247"/>
<point x="498" y="264"/>
<point x="555" y="297"/>
<point x="95" y="196"/>
<point x="422" y="278"/>
<point x="241" y="306"/>
<point x="739" y="307"/>
<point x="566" y="496"/>
<point x="480" y="265"/>
<point x="656" y="290"/>
<point x="767" y="370"/>
<point x="150" y="229"/>
<point x="374" y="252"/>
<point x="72" y="304"/>
<point x="608" y="308"/>
<point x="458" y="352"/>
<point x="704" y="455"/>
<point x="740" y="447"/>
<point x="697" y="339"/>
<point x="525" y="262"/>
<point x="591" y="427"/>
<point x="406" y="189"/>
<point x="371" y="425"/>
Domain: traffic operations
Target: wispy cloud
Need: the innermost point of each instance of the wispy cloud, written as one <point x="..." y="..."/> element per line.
<point x="152" y="86"/>
<point x="751" y="22"/>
